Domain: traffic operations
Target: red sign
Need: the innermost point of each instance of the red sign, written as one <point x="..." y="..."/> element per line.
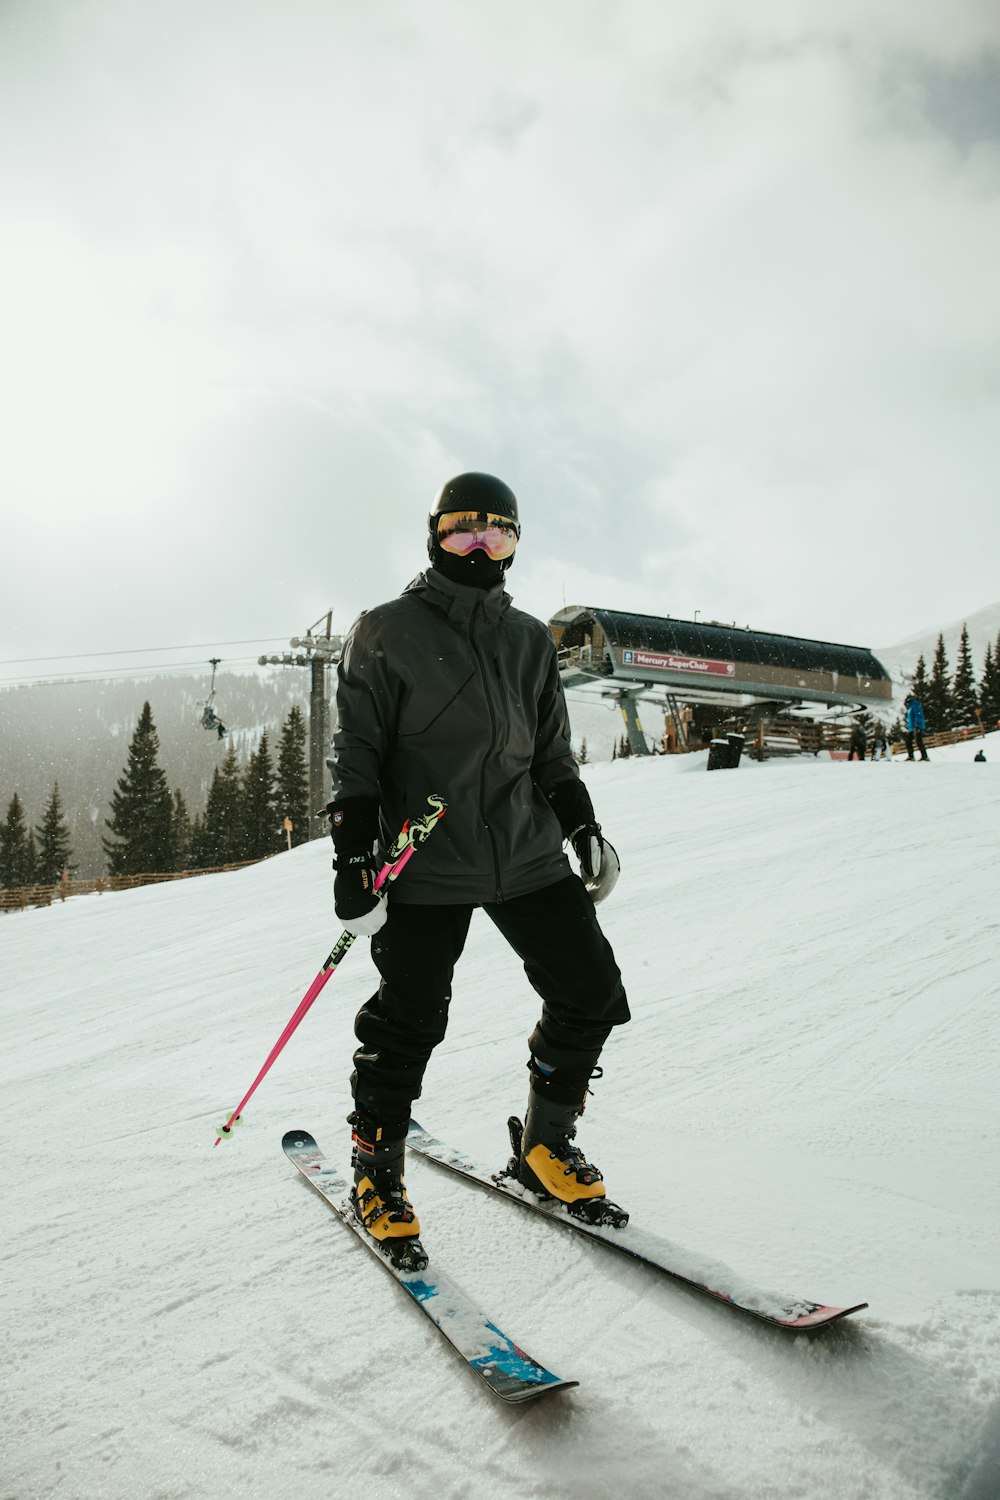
<point x="699" y="665"/>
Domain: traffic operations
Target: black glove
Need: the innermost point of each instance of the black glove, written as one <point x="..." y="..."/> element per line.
<point x="599" y="865"/>
<point x="354" y="830"/>
<point x="570" y="801"/>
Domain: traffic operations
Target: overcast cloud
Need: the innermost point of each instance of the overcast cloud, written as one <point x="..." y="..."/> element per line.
<point x="713" y="287"/>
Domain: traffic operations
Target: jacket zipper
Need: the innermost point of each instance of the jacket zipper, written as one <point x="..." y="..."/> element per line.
<point x="504" y="700"/>
<point x="489" y="751"/>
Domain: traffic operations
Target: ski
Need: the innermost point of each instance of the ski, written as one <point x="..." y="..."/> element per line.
<point x="505" y="1368"/>
<point x="711" y="1278"/>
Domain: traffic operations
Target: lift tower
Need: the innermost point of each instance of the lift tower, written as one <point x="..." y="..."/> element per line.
<point x="317" y="652"/>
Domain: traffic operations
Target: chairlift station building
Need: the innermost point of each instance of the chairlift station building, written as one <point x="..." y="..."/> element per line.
<point x="627" y="656"/>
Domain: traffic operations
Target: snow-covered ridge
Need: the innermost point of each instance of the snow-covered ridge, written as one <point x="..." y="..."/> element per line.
<point x="983" y="626"/>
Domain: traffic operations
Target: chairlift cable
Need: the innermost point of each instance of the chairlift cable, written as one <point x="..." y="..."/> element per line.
<point x="114" y="674"/>
<point x="262" y="640"/>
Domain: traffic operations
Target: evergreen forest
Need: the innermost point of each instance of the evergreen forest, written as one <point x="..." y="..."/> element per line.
<point x="118" y="777"/>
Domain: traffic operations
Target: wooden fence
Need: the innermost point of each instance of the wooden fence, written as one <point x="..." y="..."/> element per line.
<point x="780" y="738"/>
<point x="44" y="895"/>
<point x="946" y="737"/>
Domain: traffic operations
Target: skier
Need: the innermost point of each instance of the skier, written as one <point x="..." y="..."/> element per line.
<point x="858" y="743"/>
<point x="880" y="745"/>
<point x="211" y="720"/>
<point x="449" y="689"/>
<point x="915" y="726"/>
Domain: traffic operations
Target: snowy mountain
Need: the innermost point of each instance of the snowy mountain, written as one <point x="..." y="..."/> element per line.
<point x="806" y="1093"/>
<point x="78" y="734"/>
<point x="983" y="626"/>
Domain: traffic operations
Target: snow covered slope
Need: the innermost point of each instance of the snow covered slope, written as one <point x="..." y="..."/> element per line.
<point x="807" y="1092"/>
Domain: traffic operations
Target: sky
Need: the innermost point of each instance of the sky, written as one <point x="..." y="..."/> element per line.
<point x="712" y="287"/>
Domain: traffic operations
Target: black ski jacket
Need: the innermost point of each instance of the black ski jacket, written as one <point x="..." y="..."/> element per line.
<point x="450" y="690"/>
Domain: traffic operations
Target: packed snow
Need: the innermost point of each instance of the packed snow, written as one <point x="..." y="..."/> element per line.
<point x="807" y="1093"/>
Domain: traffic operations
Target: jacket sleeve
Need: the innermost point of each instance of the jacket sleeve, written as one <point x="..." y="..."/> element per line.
<point x="553" y="759"/>
<point x="365" y="713"/>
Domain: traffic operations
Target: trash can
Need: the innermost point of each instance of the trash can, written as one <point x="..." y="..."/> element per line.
<point x="718" y="755"/>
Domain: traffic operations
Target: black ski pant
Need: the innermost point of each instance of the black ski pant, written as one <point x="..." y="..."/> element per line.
<point x="909" y="737"/>
<point x="566" y="957"/>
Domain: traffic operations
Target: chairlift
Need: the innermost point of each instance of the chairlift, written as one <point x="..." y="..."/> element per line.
<point x="209" y="718"/>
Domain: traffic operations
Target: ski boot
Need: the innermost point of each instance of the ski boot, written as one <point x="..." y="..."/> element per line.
<point x="547" y="1160"/>
<point x="379" y="1197"/>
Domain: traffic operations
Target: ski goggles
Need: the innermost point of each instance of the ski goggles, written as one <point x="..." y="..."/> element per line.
<point x="461" y="532"/>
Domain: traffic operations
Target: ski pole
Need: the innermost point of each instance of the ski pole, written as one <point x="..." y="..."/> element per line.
<point x="413" y="833"/>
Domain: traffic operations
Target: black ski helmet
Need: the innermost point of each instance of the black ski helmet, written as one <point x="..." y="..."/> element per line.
<point x="478" y="492"/>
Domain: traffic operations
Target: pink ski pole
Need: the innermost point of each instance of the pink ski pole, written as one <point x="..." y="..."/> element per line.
<point x="413" y="832"/>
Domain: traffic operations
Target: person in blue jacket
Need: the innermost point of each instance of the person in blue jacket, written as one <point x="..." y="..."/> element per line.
<point x="915" y="726"/>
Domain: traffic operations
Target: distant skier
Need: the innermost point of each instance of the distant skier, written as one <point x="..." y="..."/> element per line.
<point x="858" y="743"/>
<point x="915" y="726"/>
<point x="880" y="746"/>
<point x="211" y="720"/>
<point x="449" y="689"/>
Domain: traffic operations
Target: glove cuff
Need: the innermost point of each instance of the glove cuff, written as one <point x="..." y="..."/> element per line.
<point x="570" y="801"/>
<point x="588" y="828"/>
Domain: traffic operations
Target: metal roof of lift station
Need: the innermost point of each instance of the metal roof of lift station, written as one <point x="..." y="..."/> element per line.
<point x="706" y="662"/>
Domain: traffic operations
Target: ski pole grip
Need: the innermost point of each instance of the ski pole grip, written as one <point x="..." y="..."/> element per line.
<point x="412" y="834"/>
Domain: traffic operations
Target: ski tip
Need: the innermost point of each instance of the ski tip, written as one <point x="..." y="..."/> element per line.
<point x="525" y="1393"/>
<point x="297" y="1140"/>
<point x="822" y="1317"/>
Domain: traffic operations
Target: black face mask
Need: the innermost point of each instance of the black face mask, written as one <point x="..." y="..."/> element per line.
<point x="475" y="570"/>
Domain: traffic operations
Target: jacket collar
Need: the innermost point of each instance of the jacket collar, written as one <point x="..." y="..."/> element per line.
<point x="458" y="600"/>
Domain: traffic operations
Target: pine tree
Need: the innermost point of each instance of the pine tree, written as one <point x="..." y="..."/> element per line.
<point x="258" y="816"/>
<point x="292" y="800"/>
<point x="197" y="859"/>
<point x="582" y="753"/>
<point x="920" y="685"/>
<point x="54" y="853"/>
<point x="16" y="862"/>
<point x="937" y="704"/>
<point x="181" y="832"/>
<point x="221" y="831"/>
<point x="964" y="700"/>
<point x="985" y="686"/>
<point x="989" y="688"/>
<point x="141" y="822"/>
